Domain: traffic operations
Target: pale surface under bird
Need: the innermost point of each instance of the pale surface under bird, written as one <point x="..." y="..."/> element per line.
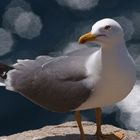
<point x="83" y="79"/>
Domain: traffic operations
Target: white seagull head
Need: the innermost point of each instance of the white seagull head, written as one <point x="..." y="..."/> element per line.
<point x="104" y="32"/>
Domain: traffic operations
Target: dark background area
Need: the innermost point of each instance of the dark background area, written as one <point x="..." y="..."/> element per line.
<point x="60" y="24"/>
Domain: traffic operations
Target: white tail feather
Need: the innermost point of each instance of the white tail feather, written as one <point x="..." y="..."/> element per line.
<point x="2" y="82"/>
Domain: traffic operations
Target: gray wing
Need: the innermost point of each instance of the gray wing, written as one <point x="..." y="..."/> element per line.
<point x="58" y="84"/>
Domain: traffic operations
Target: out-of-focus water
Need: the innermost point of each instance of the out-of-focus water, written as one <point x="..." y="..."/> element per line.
<point x="44" y="26"/>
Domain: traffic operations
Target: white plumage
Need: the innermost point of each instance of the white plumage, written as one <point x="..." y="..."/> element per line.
<point x="111" y="66"/>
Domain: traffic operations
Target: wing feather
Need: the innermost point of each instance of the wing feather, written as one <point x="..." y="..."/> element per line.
<point x="58" y="84"/>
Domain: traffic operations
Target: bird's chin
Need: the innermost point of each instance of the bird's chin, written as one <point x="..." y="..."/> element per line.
<point x="96" y="42"/>
<point x="102" y="41"/>
<point x="92" y="43"/>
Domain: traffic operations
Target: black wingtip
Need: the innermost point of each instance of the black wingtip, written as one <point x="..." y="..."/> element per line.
<point x="4" y="69"/>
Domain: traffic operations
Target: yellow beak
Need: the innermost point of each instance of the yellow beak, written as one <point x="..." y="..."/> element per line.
<point x="87" y="37"/>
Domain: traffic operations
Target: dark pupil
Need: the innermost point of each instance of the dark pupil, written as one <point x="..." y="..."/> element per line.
<point x="107" y="27"/>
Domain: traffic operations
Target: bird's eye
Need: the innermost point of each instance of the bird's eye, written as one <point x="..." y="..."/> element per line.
<point x="107" y="27"/>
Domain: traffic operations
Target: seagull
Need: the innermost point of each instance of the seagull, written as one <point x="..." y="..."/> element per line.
<point x="84" y="79"/>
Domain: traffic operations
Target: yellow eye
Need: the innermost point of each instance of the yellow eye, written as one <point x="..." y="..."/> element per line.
<point x="107" y="27"/>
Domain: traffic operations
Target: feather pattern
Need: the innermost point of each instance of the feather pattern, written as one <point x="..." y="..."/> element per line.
<point x="56" y="83"/>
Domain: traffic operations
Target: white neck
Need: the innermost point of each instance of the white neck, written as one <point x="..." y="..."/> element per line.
<point x="106" y="58"/>
<point x="114" y="44"/>
<point x="114" y="50"/>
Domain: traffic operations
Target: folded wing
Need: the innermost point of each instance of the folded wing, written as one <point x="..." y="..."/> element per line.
<point x="58" y="84"/>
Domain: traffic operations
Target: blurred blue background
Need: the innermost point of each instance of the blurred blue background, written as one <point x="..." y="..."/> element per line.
<point x="29" y="28"/>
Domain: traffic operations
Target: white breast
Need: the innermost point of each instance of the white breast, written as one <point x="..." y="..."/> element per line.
<point x="114" y="75"/>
